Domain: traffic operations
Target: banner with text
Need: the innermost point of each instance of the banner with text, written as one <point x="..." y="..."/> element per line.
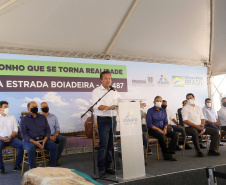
<point x="41" y="76"/>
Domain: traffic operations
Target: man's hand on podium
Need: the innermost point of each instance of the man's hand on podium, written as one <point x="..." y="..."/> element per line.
<point x="104" y="108"/>
<point x="113" y="107"/>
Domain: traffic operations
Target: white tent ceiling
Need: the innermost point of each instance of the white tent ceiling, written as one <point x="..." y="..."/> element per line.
<point x="219" y="38"/>
<point x="172" y="31"/>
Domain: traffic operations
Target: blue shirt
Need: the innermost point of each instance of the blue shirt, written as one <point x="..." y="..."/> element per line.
<point x="209" y="114"/>
<point x="32" y="127"/>
<point x="53" y="123"/>
<point x="156" y="118"/>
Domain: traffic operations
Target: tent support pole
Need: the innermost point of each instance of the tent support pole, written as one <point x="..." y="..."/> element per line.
<point x="121" y="26"/>
<point x="209" y="67"/>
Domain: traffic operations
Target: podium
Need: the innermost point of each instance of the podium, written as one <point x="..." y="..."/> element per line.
<point x="132" y="153"/>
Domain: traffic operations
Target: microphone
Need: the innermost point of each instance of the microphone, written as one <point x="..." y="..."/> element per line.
<point x="111" y="88"/>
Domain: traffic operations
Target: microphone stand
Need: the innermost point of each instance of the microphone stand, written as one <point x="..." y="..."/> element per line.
<point x="92" y="121"/>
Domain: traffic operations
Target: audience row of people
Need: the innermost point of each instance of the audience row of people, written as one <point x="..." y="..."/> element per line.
<point x="37" y="131"/>
<point x="42" y="130"/>
<point x="195" y="120"/>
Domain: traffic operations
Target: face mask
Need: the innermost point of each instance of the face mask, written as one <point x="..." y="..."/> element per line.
<point x="158" y="104"/>
<point x="6" y="111"/>
<point x="208" y="105"/>
<point x="34" y="110"/>
<point x="191" y="102"/>
<point x="45" y="109"/>
<point x="224" y="104"/>
<point x="164" y="106"/>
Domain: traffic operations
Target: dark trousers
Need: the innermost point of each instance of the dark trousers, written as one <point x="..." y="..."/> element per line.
<point x="31" y="153"/>
<point x="161" y="138"/>
<point x="179" y="129"/>
<point x="144" y="134"/>
<point x="211" y="126"/>
<point x="214" y="133"/>
<point x="223" y="128"/>
<point x="18" y="144"/>
<point x="61" y="141"/>
<point x="106" y="146"/>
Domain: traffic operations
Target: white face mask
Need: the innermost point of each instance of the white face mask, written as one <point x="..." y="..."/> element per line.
<point x="208" y="105"/>
<point x="158" y="104"/>
<point x="191" y="102"/>
<point x="6" y="111"/>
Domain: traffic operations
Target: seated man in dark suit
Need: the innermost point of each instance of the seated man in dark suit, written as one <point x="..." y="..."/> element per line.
<point x="157" y="127"/>
<point x="35" y="131"/>
<point x="179" y="113"/>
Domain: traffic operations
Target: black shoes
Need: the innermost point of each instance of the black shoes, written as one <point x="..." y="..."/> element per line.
<point x="3" y="170"/>
<point x="110" y="171"/>
<point x="169" y="157"/>
<point x="17" y="168"/>
<point x="201" y="146"/>
<point x="102" y="174"/>
<point x="187" y="147"/>
<point x="213" y="153"/>
<point x="149" y="152"/>
<point x="178" y="148"/>
<point x="210" y="153"/>
<point x="200" y="154"/>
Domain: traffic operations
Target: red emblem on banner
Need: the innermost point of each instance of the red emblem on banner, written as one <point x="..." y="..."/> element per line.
<point x="150" y="79"/>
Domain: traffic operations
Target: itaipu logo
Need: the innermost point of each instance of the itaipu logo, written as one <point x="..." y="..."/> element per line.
<point x="130" y="115"/>
<point x="150" y="80"/>
<point x="178" y="81"/>
<point x="130" y="118"/>
<point x="163" y="80"/>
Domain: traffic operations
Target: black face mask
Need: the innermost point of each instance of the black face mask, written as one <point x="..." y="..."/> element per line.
<point x="224" y="104"/>
<point x="164" y="106"/>
<point x="34" y="110"/>
<point x="45" y="109"/>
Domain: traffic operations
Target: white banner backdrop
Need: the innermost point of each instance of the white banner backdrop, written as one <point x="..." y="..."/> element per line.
<point x="144" y="81"/>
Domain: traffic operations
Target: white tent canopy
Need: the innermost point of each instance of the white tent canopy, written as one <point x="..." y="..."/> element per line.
<point x="219" y="38"/>
<point x="170" y="31"/>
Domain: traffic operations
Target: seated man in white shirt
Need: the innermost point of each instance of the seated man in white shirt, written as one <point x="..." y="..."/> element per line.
<point x="222" y="114"/>
<point x="210" y="115"/>
<point x="194" y="124"/>
<point x="8" y="130"/>
<point x="174" y="124"/>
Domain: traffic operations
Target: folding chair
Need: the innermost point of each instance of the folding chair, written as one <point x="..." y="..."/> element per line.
<point x="9" y="154"/>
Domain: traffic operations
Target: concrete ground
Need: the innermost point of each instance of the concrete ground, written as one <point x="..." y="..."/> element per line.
<point x="83" y="162"/>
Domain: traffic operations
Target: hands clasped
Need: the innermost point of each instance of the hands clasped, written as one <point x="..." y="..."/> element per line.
<point x="40" y="144"/>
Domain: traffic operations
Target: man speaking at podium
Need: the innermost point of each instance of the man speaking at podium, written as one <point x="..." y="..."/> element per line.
<point x="106" y="118"/>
